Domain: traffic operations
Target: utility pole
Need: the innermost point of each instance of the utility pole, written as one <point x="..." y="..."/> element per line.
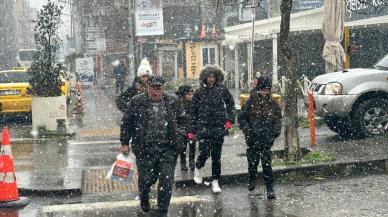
<point x="251" y="68"/>
<point x="131" y="40"/>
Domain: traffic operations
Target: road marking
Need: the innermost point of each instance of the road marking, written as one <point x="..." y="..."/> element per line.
<point x="99" y="132"/>
<point x="118" y="204"/>
<point x="94" y="142"/>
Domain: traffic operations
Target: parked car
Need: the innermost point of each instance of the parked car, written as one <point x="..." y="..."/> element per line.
<point x="354" y="101"/>
<point x="15" y="92"/>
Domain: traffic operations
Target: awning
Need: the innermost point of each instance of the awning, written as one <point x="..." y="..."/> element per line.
<point x="303" y="21"/>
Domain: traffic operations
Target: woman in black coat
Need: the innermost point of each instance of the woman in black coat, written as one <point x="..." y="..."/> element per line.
<point x="260" y="120"/>
<point x="212" y="114"/>
<point x="185" y="96"/>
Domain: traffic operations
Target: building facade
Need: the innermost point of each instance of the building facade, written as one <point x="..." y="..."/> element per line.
<point x="25" y="23"/>
<point x="8" y="42"/>
<point x="191" y="36"/>
<point x="100" y="30"/>
<point x="364" y="42"/>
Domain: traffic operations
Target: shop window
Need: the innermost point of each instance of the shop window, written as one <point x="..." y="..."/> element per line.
<point x="208" y="55"/>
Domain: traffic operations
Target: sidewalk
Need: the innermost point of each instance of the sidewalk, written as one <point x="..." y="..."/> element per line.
<point x="55" y="166"/>
<point x="58" y="166"/>
<point x="352" y="156"/>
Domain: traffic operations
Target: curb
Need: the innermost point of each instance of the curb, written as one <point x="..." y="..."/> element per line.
<point x="67" y="136"/>
<point x="326" y="170"/>
<point x="50" y="192"/>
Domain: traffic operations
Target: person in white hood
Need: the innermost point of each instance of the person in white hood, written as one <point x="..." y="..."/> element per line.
<point x="139" y="85"/>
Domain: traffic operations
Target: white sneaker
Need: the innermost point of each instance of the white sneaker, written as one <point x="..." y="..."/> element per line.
<point x="198" y="176"/>
<point x="216" y="187"/>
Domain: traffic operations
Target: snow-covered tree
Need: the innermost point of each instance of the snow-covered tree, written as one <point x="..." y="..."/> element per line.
<point x="45" y="80"/>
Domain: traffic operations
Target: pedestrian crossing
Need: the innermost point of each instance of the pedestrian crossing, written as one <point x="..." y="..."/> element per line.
<point x="112" y="205"/>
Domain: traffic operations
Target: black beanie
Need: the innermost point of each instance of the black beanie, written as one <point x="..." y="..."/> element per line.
<point x="183" y="90"/>
<point x="264" y="82"/>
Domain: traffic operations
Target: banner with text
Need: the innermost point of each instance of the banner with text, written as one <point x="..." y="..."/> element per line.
<point x="149" y="18"/>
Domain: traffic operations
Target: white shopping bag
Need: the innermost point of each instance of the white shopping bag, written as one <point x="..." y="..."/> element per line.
<point x="123" y="169"/>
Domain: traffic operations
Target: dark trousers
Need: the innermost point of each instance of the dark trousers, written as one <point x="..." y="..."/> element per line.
<point x="182" y="155"/>
<point x="159" y="166"/>
<point x="120" y="82"/>
<point x="256" y="151"/>
<point x="211" y="147"/>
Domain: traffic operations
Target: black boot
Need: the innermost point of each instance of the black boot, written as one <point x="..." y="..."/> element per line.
<point x="251" y="184"/>
<point x="144" y="202"/>
<point x="270" y="192"/>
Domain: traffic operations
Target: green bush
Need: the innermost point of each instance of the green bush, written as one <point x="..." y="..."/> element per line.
<point x="317" y="157"/>
<point x="303" y="122"/>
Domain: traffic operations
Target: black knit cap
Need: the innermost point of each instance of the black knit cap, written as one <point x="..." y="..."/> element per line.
<point x="155" y="80"/>
<point x="264" y="82"/>
<point x="183" y="90"/>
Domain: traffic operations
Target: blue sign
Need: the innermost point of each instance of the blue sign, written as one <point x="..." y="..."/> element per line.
<point x="303" y="5"/>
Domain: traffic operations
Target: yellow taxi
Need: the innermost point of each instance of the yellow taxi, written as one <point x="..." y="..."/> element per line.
<point x="15" y="92"/>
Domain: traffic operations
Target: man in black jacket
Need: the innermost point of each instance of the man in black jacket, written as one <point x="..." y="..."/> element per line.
<point x="213" y="113"/>
<point x="150" y="121"/>
<point x="120" y="73"/>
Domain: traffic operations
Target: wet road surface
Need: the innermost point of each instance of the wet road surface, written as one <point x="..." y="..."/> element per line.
<point x="351" y="196"/>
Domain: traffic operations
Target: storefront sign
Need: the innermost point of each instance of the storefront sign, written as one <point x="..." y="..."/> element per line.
<point x="358" y="10"/>
<point x="85" y="70"/>
<point x="149" y="17"/>
<point x="193" y="60"/>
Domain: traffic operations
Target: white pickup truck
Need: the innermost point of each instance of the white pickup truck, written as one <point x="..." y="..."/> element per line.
<point x="354" y="102"/>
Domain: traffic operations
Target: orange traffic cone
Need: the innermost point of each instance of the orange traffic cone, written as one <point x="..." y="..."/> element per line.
<point x="79" y="104"/>
<point x="9" y="195"/>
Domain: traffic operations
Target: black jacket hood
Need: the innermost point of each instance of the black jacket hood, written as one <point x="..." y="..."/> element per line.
<point x="205" y="71"/>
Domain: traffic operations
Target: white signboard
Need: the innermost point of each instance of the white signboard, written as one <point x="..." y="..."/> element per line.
<point x="245" y="14"/>
<point x="100" y="44"/>
<point x="149" y="17"/>
<point x="84" y="68"/>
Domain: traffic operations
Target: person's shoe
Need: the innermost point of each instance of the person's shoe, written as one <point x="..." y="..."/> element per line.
<point x="216" y="187"/>
<point x="251" y="185"/>
<point x="198" y="176"/>
<point x="271" y="194"/>
<point x="145" y="205"/>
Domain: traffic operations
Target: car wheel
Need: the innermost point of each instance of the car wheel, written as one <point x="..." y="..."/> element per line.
<point x="371" y="117"/>
<point x="341" y="126"/>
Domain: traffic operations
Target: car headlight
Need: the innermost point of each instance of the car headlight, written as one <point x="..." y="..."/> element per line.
<point x="333" y="89"/>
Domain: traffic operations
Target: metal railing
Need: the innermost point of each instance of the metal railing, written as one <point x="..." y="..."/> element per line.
<point x="303" y="84"/>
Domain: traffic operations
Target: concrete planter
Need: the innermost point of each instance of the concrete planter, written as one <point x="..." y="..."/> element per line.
<point x="50" y="113"/>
